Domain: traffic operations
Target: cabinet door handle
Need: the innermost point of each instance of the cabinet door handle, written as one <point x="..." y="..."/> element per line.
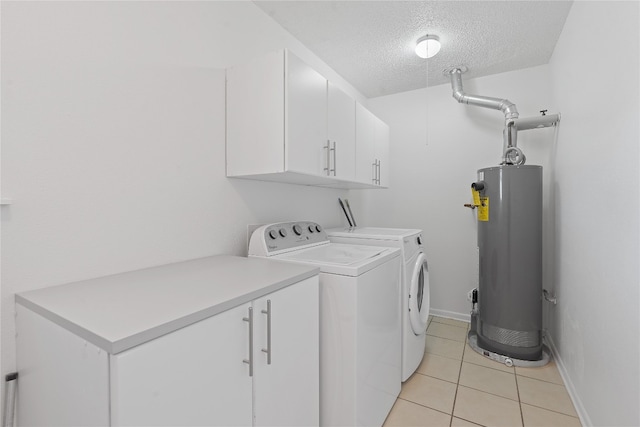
<point x="268" y="349"/>
<point x="327" y="158"/>
<point x="379" y="163"/>
<point x="250" y="360"/>
<point x="334" y="159"/>
<point x="374" y="171"/>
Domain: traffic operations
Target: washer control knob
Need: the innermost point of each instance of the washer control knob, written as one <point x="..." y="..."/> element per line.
<point x="297" y="230"/>
<point x="311" y="229"/>
<point x="419" y="240"/>
<point x="318" y="229"/>
<point x="282" y="232"/>
<point x="273" y="235"/>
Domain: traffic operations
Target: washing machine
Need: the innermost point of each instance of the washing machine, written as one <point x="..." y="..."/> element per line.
<point x="415" y="283"/>
<point x="360" y="324"/>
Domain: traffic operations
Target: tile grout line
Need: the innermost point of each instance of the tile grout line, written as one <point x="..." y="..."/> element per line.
<point x="435" y="378"/>
<point x="537" y="379"/>
<point x="449" y="324"/>
<point x="548" y="409"/>
<point x="469" y="387"/>
<point x="455" y="397"/>
<point x="488" y="392"/>
<point x="552" y="410"/>
<point x="445" y="338"/>
<point x="424" y="406"/>
<point x="519" y="400"/>
<point x="544" y="381"/>
<point x="488" y="367"/>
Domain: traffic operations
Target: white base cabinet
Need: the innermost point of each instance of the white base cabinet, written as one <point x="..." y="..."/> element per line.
<point x="232" y="369"/>
<point x="192" y="377"/>
<point x="64" y="380"/>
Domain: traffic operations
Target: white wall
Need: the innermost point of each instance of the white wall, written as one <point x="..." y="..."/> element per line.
<point x="596" y="324"/>
<point x="113" y="140"/>
<point x="437" y="146"/>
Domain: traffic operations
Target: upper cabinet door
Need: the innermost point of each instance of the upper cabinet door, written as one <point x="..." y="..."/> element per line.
<point x="305" y="118"/>
<point x="382" y="151"/>
<point x="366" y="162"/>
<point x="341" y="133"/>
<point x="256" y="116"/>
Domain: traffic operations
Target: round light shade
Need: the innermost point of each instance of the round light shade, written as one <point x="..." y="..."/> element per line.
<point x="427" y="46"/>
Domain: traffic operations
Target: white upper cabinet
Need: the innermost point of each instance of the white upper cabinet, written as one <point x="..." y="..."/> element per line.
<point x="341" y="133"/>
<point x="276" y="118"/>
<point x="372" y="148"/>
<point x="305" y="119"/>
<point x="365" y="146"/>
<point x="288" y="123"/>
<point x="382" y="151"/>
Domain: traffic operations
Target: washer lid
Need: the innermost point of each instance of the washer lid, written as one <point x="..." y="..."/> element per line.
<point x="373" y="232"/>
<point x="337" y="258"/>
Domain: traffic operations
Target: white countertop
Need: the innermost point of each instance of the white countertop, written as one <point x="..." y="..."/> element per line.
<point x="121" y="311"/>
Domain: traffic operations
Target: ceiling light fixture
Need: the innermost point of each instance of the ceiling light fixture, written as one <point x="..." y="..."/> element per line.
<point x="427" y="46"/>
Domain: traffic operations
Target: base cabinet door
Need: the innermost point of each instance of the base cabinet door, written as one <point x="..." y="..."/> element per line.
<point x="286" y="362"/>
<point x="192" y="377"/>
<point x="203" y="375"/>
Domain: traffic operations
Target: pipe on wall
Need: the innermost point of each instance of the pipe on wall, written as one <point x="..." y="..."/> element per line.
<point x="511" y="154"/>
<point x="507" y="107"/>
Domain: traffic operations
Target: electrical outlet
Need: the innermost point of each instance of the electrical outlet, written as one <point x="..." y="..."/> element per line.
<point x="470" y="295"/>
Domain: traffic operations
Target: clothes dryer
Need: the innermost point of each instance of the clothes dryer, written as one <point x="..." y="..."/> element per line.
<point x="415" y="283"/>
<point x="360" y="326"/>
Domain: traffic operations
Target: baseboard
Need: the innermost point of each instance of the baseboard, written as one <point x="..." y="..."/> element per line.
<point x="465" y="317"/>
<point x="577" y="403"/>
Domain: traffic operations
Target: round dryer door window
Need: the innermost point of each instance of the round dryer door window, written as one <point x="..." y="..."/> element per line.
<point x="419" y="296"/>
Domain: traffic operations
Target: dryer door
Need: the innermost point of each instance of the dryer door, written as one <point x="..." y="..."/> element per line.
<point x="419" y="295"/>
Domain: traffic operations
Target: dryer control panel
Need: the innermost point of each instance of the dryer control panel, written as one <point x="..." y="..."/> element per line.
<point x="273" y="239"/>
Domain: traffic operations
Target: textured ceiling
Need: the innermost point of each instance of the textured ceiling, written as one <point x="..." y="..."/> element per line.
<point x="371" y="43"/>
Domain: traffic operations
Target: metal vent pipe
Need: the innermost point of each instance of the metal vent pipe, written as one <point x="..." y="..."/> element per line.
<point x="507" y="107"/>
<point x="511" y="154"/>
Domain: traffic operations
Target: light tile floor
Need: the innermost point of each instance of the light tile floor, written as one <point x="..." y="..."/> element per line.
<point x="455" y="386"/>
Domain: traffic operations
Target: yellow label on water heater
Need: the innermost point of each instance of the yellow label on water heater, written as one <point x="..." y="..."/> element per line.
<point x="476" y="197"/>
<point x="483" y="209"/>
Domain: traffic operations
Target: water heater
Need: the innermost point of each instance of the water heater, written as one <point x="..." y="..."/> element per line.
<point x="507" y="312"/>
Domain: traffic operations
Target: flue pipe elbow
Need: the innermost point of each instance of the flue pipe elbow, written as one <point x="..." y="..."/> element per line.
<point x="456" y="85"/>
<point x="507" y="107"/>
